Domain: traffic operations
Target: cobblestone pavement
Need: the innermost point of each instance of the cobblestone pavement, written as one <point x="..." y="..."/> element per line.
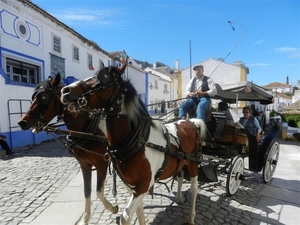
<point x="213" y="207"/>
<point x="32" y="178"/>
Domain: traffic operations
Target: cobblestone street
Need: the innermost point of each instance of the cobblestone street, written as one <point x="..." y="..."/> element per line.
<point x="33" y="179"/>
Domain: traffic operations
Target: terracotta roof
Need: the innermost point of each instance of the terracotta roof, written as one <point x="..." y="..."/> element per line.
<point x="294" y="106"/>
<point x="282" y="95"/>
<point x="117" y="53"/>
<point x="274" y="85"/>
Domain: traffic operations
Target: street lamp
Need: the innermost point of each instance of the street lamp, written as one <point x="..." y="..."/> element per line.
<point x="128" y="62"/>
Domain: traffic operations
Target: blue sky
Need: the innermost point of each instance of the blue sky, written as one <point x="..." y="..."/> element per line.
<point x="266" y="35"/>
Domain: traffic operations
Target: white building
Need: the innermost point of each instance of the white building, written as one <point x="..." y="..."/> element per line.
<point x="162" y="88"/>
<point x="278" y="90"/>
<point x="33" y="46"/>
<point x="218" y="70"/>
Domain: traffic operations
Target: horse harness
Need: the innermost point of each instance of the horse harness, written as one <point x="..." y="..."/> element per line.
<point x="44" y="100"/>
<point x="138" y="139"/>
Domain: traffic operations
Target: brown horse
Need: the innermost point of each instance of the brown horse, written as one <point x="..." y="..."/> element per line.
<point x="142" y="149"/>
<point x="89" y="153"/>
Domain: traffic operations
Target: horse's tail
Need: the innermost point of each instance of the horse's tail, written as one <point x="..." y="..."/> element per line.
<point x="201" y="125"/>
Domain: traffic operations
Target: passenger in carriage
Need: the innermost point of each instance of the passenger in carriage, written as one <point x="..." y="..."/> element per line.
<point x="251" y="123"/>
<point x="226" y="118"/>
<point x="199" y="91"/>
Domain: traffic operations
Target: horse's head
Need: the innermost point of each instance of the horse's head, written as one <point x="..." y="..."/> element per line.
<point x="45" y="105"/>
<point x="99" y="91"/>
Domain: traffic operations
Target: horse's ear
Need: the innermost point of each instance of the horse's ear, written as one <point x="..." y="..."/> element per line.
<point x="122" y="68"/>
<point x="56" y="79"/>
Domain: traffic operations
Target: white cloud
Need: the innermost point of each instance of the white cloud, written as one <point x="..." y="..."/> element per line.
<point x="295" y="55"/>
<point x="85" y="17"/>
<point x="286" y="50"/>
<point x="259" y="64"/>
<point x="259" y="42"/>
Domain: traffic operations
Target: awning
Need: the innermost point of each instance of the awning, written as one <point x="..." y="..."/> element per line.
<point x="242" y="91"/>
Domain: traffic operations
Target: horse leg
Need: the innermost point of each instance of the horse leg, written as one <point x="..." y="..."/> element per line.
<point x="140" y="213"/>
<point x="135" y="204"/>
<point x="179" y="196"/>
<point x="193" y="171"/>
<point x="101" y="174"/>
<point x="87" y="182"/>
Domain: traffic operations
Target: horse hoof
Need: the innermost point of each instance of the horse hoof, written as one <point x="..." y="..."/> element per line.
<point x="118" y="220"/>
<point x="116" y="209"/>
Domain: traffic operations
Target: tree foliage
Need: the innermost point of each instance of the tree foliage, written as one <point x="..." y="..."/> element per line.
<point x="293" y="120"/>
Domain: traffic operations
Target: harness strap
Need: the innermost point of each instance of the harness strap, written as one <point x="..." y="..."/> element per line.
<point x="159" y="172"/>
<point x="195" y="157"/>
<point x="133" y="144"/>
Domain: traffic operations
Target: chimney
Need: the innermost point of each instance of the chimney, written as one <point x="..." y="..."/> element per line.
<point x="176" y="65"/>
<point x="154" y="66"/>
<point x="287" y="79"/>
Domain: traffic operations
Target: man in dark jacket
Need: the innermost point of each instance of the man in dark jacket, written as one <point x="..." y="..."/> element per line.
<point x="199" y="90"/>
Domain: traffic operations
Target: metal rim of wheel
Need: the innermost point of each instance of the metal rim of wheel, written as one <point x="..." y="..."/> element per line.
<point x="271" y="162"/>
<point x="235" y="175"/>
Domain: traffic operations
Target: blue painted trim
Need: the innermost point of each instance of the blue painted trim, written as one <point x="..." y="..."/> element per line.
<point x="15" y="35"/>
<point x="146" y="88"/>
<point x="3" y="73"/>
<point x="29" y="36"/>
<point x="22" y="138"/>
<point x="30" y="28"/>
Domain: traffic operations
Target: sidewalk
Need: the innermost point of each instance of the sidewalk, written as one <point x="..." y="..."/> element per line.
<point x="68" y="206"/>
<point x="278" y="202"/>
<point x="43" y="186"/>
<point x="281" y="199"/>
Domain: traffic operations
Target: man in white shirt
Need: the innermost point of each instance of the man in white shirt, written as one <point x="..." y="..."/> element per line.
<point x="199" y="90"/>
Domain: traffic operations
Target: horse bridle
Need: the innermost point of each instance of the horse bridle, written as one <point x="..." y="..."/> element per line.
<point x="43" y="100"/>
<point x="107" y="77"/>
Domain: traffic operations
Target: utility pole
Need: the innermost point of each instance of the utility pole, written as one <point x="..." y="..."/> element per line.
<point x="190" y="60"/>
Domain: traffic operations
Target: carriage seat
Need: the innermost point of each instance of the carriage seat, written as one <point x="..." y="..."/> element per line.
<point x="232" y="134"/>
<point x="222" y="118"/>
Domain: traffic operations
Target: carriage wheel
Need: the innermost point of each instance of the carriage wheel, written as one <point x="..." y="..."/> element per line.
<point x="271" y="162"/>
<point x="235" y="175"/>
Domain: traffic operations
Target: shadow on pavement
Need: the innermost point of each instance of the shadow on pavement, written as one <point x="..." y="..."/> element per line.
<point x="213" y="206"/>
<point x="51" y="148"/>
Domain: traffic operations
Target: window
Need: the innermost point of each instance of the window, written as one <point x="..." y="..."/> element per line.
<point x="151" y="105"/>
<point x="90" y="61"/>
<point x="56" y="44"/>
<point x="101" y="64"/>
<point x="22" y="72"/>
<point x="166" y="88"/>
<point x="75" y="53"/>
<point x="155" y="84"/>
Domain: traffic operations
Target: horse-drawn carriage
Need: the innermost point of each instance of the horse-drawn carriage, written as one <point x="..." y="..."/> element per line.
<point x="141" y="149"/>
<point x="236" y="144"/>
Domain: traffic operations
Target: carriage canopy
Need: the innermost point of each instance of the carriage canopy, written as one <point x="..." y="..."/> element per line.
<point x="242" y="91"/>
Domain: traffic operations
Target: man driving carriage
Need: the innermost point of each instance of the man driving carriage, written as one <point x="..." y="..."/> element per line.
<point x="199" y="91"/>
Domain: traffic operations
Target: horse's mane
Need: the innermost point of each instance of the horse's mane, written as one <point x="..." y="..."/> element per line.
<point x="133" y="107"/>
<point x="44" y="85"/>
